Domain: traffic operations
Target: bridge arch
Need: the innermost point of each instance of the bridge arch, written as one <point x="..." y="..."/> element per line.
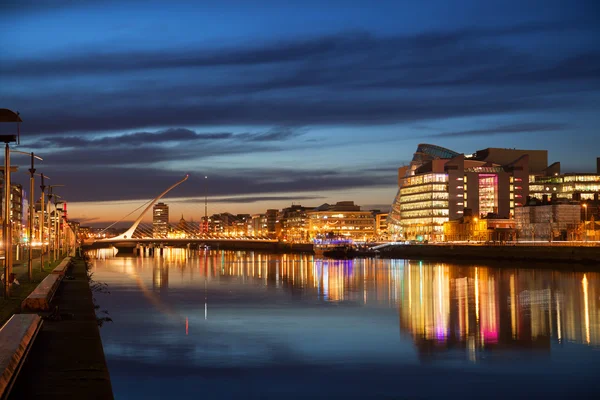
<point x="129" y="233"/>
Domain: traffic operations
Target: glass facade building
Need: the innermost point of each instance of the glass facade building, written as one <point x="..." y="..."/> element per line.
<point x="441" y="185"/>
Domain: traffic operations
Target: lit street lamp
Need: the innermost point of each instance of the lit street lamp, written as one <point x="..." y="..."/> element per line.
<point x="31" y="206"/>
<point x="206" y="204"/>
<point x="52" y="239"/>
<point x="41" y="221"/>
<point x="585" y="221"/>
<point x="7" y="116"/>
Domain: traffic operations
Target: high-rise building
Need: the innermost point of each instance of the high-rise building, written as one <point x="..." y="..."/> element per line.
<point x="160" y="220"/>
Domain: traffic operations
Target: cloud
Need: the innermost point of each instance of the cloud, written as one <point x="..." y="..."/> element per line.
<point x="110" y="183"/>
<point x="176" y="144"/>
<point x="329" y="46"/>
<point x="349" y="78"/>
<point x="251" y="199"/>
<point x="171" y="135"/>
<point x="530" y="127"/>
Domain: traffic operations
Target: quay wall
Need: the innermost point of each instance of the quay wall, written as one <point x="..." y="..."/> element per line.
<point x="559" y="254"/>
<point x="126" y="248"/>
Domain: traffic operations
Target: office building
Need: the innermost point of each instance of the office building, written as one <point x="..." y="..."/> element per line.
<point x="160" y="220"/>
<point x="441" y="185"/>
<point x="548" y="222"/>
<point x="342" y="219"/>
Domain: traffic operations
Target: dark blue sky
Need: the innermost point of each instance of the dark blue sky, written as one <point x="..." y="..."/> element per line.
<point x="295" y="101"/>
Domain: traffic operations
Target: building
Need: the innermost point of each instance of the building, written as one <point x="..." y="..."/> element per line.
<point x="18" y="203"/>
<point x="160" y="220"/>
<point x="342" y="219"/>
<point x="259" y="225"/>
<point x="294" y="223"/>
<point x="471" y="228"/>
<point x="381" y="225"/>
<point x="569" y="186"/>
<point x="549" y="222"/>
<point x="441" y="185"/>
<point x="273" y="227"/>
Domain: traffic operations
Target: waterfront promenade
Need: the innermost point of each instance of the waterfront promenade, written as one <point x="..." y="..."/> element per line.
<point x="67" y="359"/>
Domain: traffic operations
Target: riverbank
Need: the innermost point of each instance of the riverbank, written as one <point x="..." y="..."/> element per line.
<point x="67" y="358"/>
<point x="550" y="254"/>
<point x="19" y="292"/>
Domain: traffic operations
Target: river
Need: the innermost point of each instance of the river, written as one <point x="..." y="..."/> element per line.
<point x="223" y="324"/>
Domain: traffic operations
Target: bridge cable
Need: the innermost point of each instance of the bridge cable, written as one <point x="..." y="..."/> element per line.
<point x="125" y="216"/>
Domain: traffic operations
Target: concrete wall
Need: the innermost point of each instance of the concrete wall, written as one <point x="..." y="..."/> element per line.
<point x="564" y="254"/>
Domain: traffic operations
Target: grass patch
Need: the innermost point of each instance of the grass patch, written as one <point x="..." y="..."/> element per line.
<point x="20" y="292"/>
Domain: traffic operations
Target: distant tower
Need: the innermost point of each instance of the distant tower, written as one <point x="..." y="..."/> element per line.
<point x="160" y="220"/>
<point x="183" y="225"/>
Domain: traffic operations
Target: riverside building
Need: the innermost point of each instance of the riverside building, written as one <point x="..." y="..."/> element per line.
<point x="342" y="219"/>
<point x="441" y="185"/>
<point x="568" y="186"/>
<point x="160" y="220"/>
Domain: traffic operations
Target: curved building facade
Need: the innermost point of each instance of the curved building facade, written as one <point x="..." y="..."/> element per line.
<point x="420" y="202"/>
<point x="440" y="185"/>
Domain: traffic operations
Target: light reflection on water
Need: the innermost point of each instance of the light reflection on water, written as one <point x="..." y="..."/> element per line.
<point x="224" y="309"/>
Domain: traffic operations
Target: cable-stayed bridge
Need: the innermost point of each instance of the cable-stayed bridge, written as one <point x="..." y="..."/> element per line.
<point x="141" y="235"/>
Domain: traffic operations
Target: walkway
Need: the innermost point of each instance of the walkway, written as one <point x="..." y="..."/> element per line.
<point x="67" y="358"/>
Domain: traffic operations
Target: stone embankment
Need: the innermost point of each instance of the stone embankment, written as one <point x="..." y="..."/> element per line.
<point x="550" y="254"/>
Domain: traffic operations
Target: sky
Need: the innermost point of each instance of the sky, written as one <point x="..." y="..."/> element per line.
<point x="287" y="102"/>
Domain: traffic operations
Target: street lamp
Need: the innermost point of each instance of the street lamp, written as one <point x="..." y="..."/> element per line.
<point x="585" y="221"/>
<point x="31" y="206"/>
<point x="51" y="240"/>
<point x="41" y="221"/>
<point x="7" y="116"/>
<point x="58" y="216"/>
<point x="206" y="204"/>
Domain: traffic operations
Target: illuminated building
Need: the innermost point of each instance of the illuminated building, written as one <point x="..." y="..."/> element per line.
<point x="479" y="229"/>
<point x="342" y="219"/>
<point x="230" y="224"/>
<point x="440" y="185"/>
<point x="160" y="220"/>
<point x="294" y="223"/>
<point x="579" y="187"/>
<point x="17" y="205"/>
<point x="272" y="222"/>
<point x="381" y="225"/>
<point x="259" y="225"/>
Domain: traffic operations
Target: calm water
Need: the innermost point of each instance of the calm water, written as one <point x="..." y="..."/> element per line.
<point x="217" y="325"/>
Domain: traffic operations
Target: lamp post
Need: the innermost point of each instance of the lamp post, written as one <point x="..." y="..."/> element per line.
<point x="205" y="204"/>
<point x="52" y="239"/>
<point x="41" y="222"/>
<point x="57" y="224"/>
<point x="585" y="221"/>
<point x="31" y="206"/>
<point x="7" y="116"/>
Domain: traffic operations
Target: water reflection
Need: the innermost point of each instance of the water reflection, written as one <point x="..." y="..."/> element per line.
<point x="479" y="308"/>
<point x="440" y="305"/>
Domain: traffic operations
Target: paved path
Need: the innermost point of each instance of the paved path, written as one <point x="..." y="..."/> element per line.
<point x="67" y="359"/>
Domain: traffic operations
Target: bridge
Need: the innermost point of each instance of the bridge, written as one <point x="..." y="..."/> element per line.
<point x="141" y="236"/>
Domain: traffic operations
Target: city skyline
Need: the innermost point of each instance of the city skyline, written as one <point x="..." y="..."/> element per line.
<point x="299" y="103"/>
